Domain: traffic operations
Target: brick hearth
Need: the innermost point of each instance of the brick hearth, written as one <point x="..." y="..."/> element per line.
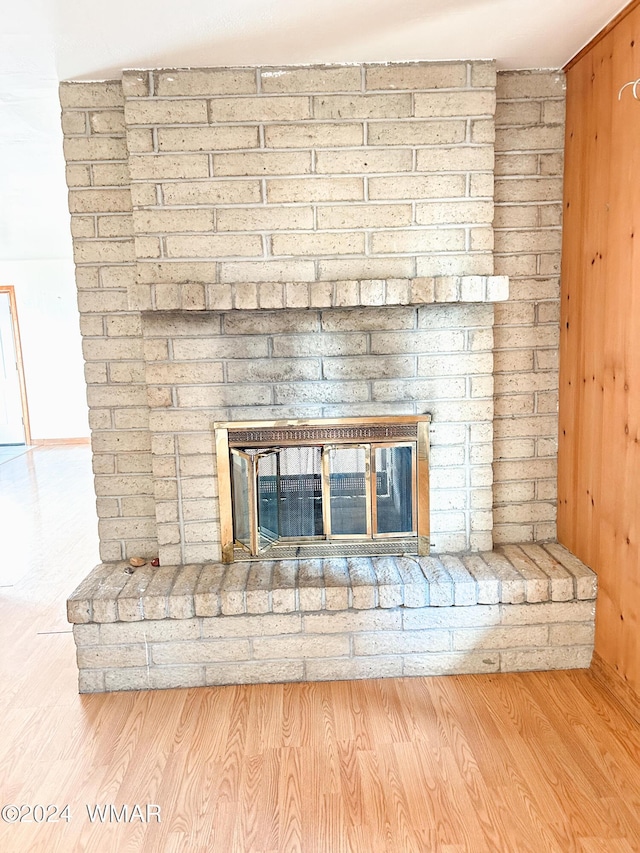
<point x="520" y="608"/>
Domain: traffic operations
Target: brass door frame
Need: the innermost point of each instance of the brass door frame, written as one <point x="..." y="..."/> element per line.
<point x="422" y="487"/>
<point x="252" y="500"/>
<point x="223" y="461"/>
<point x="226" y="438"/>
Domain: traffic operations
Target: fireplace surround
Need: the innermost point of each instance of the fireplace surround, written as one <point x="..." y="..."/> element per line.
<point x="260" y="244"/>
<point x="354" y="362"/>
<point x="130" y="192"/>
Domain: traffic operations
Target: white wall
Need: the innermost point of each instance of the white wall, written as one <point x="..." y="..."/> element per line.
<point x="51" y="349"/>
<point x="35" y="243"/>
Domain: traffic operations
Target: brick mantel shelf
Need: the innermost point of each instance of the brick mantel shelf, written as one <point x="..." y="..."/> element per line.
<point x="320" y="294"/>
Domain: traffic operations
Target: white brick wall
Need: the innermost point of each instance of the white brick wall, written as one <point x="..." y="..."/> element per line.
<point x="246" y="189"/>
<point x="102" y="229"/>
<point x="243" y="184"/>
<point x="528" y="216"/>
<point x="329" y="363"/>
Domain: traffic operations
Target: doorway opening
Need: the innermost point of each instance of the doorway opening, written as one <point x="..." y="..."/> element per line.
<point x="14" y="411"/>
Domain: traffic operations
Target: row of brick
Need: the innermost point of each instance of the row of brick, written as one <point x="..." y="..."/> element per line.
<point x="246" y="81"/>
<point x="291" y="669"/>
<point x="528" y="573"/>
<point x="348" y="644"/>
<point x="263" y="218"/>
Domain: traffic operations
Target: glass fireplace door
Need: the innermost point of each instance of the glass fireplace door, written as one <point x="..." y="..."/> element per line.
<point x="277" y="496"/>
<point x="347" y="479"/>
<point x="311" y="489"/>
<point x="243" y="500"/>
<point x="267" y="478"/>
<point x="301" y="496"/>
<point x="395" y="479"/>
<point x="289" y="489"/>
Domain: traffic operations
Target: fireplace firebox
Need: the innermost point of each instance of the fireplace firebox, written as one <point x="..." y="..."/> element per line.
<point x="324" y="487"/>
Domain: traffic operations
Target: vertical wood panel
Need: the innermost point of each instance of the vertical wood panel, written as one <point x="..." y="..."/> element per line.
<point x="599" y="427"/>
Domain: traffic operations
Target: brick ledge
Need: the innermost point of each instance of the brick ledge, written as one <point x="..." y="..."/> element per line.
<point x="513" y="574"/>
<point x="269" y="295"/>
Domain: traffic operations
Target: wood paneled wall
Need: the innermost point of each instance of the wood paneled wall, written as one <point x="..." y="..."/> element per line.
<point x="599" y="429"/>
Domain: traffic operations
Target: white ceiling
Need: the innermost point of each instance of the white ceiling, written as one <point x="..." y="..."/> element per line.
<point x="96" y="39"/>
<point x="43" y="41"/>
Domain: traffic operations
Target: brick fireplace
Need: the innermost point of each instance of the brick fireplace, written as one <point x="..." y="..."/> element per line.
<point x="315" y="242"/>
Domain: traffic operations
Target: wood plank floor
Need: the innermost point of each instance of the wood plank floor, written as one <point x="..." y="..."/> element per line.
<point x="510" y="763"/>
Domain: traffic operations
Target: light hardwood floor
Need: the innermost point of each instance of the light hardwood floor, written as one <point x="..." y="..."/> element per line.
<point x="512" y="763"/>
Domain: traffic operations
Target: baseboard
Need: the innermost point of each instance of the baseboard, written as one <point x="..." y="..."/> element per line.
<point x="607" y="676"/>
<point x="46" y="442"/>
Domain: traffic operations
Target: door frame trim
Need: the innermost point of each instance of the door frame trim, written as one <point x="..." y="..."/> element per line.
<point x="13" y="311"/>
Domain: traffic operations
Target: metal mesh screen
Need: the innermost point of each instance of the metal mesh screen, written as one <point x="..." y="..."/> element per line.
<point x="301" y="491"/>
<point x="292" y="503"/>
